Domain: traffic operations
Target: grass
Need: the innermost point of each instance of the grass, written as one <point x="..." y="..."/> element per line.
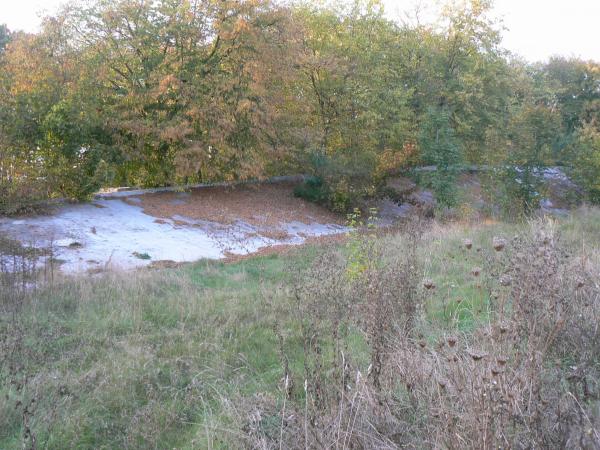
<point x="460" y="298"/>
<point x="156" y="359"/>
<point x="151" y="344"/>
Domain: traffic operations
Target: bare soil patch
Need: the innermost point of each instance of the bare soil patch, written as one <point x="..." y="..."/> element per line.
<point x="283" y="249"/>
<point x="264" y="205"/>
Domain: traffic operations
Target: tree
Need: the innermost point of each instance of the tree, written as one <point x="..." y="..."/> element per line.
<point x="533" y="133"/>
<point x="585" y="151"/>
<point x="355" y="91"/>
<point x="576" y="87"/>
<point x="180" y="85"/>
<point x="441" y="149"/>
<point x="165" y="92"/>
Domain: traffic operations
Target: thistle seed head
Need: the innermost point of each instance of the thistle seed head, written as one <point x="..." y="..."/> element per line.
<point x="498" y="243"/>
<point x="428" y="284"/>
<point x="451" y="341"/>
<point x="477" y="356"/>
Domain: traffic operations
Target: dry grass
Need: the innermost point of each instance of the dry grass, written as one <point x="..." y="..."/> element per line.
<point x="377" y="341"/>
<point x="525" y="377"/>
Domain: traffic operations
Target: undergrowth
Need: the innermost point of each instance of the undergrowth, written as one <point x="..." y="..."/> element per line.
<point x="431" y="336"/>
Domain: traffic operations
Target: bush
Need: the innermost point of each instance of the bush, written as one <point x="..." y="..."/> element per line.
<point x="521" y="191"/>
<point x="339" y="181"/>
<point x="21" y="197"/>
<point x="312" y="190"/>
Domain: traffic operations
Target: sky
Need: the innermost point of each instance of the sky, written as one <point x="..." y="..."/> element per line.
<point x="539" y="29"/>
<point x="536" y="29"/>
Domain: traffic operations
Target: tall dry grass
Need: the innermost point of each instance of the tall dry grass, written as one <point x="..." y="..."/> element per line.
<point x="524" y="377"/>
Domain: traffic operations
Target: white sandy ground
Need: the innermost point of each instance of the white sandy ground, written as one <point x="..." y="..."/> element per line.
<point x="105" y="234"/>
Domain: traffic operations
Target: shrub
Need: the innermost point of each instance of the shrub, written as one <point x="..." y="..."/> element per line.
<point x="20" y="197"/>
<point x="341" y="180"/>
<point x="312" y="190"/>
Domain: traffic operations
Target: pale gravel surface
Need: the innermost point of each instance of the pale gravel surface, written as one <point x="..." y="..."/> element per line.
<point x="107" y="233"/>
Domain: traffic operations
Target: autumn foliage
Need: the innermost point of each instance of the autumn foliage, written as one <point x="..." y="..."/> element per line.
<point x="154" y="93"/>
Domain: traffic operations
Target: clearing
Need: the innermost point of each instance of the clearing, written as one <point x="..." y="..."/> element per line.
<point x="130" y="229"/>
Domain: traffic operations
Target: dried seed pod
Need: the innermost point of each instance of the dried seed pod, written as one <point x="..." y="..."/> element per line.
<point x="476" y="271"/>
<point x="468" y="243"/>
<point x="422" y="343"/>
<point x="428" y="284"/>
<point x="477" y="356"/>
<point x="498" y="243"/>
<point x="451" y="341"/>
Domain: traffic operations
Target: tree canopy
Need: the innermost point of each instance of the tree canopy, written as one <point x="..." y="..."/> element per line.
<point x="154" y="93"/>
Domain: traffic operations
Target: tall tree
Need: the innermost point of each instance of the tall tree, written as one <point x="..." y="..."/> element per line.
<point x="180" y="84"/>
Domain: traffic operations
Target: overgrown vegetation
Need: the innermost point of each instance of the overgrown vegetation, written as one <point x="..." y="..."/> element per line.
<point x="169" y="92"/>
<point x="455" y="336"/>
<point x="480" y="335"/>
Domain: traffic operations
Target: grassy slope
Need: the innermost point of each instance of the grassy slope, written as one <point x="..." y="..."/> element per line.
<point x="154" y="359"/>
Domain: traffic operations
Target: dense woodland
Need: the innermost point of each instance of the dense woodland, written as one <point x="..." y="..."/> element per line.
<point x="165" y="92"/>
